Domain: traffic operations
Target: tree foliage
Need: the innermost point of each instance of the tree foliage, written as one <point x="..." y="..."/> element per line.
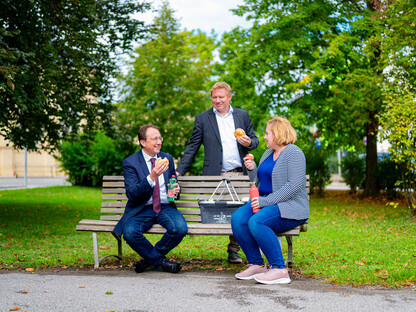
<point x="319" y="62"/>
<point x="168" y="82"/>
<point x="399" y="116"/>
<point x="57" y="59"/>
<point x="238" y="71"/>
<point x="399" y="127"/>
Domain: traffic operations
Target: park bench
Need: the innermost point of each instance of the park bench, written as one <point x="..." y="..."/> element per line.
<point x="193" y="189"/>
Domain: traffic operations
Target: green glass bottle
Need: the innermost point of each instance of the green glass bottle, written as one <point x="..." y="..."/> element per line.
<point x="171" y="187"/>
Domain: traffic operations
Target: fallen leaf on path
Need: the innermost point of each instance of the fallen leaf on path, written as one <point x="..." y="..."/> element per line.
<point x="15" y="309"/>
<point x="30" y="269"/>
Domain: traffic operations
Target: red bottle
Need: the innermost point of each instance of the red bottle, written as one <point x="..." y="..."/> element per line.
<point x="254" y="192"/>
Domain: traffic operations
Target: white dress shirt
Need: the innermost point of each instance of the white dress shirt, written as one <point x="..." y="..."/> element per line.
<point x="230" y="155"/>
<point x="162" y="187"/>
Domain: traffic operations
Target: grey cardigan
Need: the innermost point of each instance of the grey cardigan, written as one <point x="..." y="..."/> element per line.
<point x="288" y="183"/>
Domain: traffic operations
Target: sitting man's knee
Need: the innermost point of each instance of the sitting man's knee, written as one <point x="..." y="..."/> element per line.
<point x="181" y="229"/>
<point x="131" y="234"/>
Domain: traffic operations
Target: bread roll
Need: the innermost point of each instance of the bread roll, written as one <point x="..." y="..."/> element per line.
<point x="162" y="160"/>
<point x="239" y="133"/>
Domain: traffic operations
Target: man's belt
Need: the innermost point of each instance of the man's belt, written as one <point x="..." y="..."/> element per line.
<point x="238" y="169"/>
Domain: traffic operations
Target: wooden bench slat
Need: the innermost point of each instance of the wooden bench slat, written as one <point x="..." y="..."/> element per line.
<point x="107" y="211"/>
<point x="197" y="197"/>
<point x="112" y="178"/>
<point x="112" y="210"/>
<point x="185" y="190"/>
<point x="114" y="184"/>
<point x="212" y="185"/>
<point x="122" y="204"/>
<point x="206" y="190"/>
<point x="189" y="204"/>
<point x="112" y="190"/>
<point x="212" y="178"/>
<point x="193" y="228"/>
<point x="196" y="218"/>
<point x="113" y="204"/>
<point x="114" y="197"/>
<point x="190" y="197"/>
<point x="94" y="228"/>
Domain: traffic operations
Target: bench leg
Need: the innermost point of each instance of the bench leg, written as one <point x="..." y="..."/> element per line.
<point x="95" y="244"/>
<point x="289" y="261"/>
<point x="119" y="245"/>
<point x="280" y="241"/>
<point x="289" y="249"/>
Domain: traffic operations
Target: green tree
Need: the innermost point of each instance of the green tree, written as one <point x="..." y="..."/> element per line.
<point x="398" y="124"/>
<point x="57" y="59"/>
<point x="168" y="83"/>
<point x="319" y="62"/>
<point x="398" y="118"/>
<point x="238" y="71"/>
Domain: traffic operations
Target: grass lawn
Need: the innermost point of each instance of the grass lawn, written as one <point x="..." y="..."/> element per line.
<point x="349" y="241"/>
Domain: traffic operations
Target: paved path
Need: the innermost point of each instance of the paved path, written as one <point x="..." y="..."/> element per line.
<point x="10" y="183"/>
<point x="98" y="290"/>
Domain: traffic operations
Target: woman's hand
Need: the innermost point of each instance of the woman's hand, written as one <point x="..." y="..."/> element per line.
<point x="249" y="163"/>
<point x="255" y="203"/>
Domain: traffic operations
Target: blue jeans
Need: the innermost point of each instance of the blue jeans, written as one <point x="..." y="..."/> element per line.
<point x="258" y="231"/>
<point x="170" y="218"/>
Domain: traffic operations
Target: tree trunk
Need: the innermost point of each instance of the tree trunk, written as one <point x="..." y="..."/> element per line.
<point x="370" y="189"/>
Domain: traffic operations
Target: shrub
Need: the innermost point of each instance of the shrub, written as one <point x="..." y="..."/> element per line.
<point x="353" y="171"/>
<point x="388" y="176"/>
<point x="87" y="159"/>
<point x="317" y="167"/>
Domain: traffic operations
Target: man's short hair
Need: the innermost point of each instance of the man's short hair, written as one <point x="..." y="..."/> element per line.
<point x="282" y="130"/>
<point x="142" y="131"/>
<point x="222" y="85"/>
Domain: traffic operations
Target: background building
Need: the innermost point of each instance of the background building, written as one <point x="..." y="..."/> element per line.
<point x="39" y="164"/>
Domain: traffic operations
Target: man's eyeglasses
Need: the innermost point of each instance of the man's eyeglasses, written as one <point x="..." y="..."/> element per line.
<point x="156" y="139"/>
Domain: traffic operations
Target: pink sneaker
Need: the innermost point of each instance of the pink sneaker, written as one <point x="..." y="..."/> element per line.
<point x="252" y="271"/>
<point x="274" y="276"/>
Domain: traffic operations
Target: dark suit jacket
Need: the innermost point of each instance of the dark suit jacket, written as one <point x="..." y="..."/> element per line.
<point x="138" y="189"/>
<point x="206" y="132"/>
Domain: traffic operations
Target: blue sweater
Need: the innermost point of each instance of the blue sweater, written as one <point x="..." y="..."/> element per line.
<point x="288" y="183"/>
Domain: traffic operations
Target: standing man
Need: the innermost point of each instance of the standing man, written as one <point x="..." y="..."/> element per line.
<point x="224" y="153"/>
<point x="146" y="186"/>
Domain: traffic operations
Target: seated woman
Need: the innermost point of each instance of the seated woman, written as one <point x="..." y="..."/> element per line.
<point x="283" y="204"/>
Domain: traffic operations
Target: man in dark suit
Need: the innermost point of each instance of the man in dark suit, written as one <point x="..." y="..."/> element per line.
<point x="146" y="186"/>
<point x="223" y="153"/>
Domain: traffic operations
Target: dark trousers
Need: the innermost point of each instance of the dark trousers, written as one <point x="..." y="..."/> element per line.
<point x="233" y="244"/>
<point x="170" y="218"/>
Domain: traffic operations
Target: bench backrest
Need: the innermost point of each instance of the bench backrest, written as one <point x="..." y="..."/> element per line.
<point x="193" y="189"/>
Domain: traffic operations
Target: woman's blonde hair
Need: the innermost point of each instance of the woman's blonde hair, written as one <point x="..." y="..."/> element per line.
<point x="282" y="130"/>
